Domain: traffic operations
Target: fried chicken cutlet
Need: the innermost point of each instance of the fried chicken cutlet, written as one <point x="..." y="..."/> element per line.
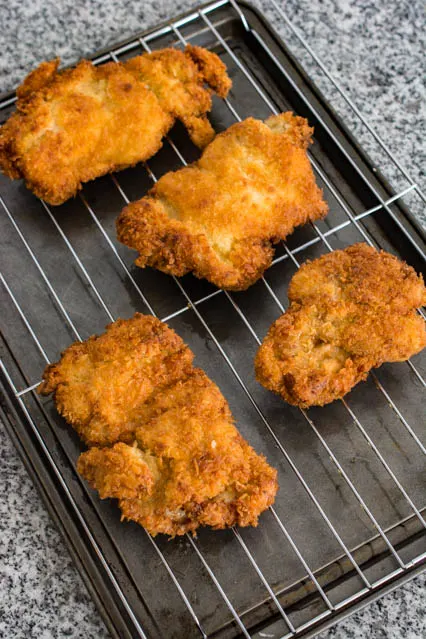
<point x="350" y="311"/>
<point x="220" y="216"/>
<point x="101" y="384"/>
<point x="161" y="436"/>
<point x="73" y="126"/>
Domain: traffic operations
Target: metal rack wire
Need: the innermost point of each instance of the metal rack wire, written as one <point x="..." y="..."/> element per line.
<point x="204" y="22"/>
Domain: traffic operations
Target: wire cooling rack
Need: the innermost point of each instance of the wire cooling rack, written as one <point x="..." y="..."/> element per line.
<point x="349" y="520"/>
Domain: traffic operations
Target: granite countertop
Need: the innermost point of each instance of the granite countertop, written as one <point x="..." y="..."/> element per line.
<point x="376" y="51"/>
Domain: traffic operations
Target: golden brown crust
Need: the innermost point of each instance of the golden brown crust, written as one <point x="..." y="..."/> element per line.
<point x="37" y="79"/>
<point x="219" y="217"/>
<point x="100" y="384"/>
<point x="75" y="125"/>
<point x="205" y="473"/>
<point x="167" y="447"/>
<point x="120" y="472"/>
<point x="350" y="311"/>
<point x="212" y="69"/>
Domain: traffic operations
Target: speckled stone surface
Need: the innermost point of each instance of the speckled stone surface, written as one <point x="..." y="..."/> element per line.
<point x="376" y="50"/>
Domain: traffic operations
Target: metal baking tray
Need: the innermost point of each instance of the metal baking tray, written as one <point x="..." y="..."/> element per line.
<point x="348" y="523"/>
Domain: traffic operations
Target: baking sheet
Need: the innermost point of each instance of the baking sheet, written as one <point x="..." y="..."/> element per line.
<point x="264" y="420"/>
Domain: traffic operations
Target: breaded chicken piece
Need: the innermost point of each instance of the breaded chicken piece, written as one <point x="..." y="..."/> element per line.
<point x="220" y="216"/>
<point x="188" y="466"/>
<point x="350" y="311"/>
<point x="168" y="448"/>
<point x="99" y="385"/>
<point x="75" y="125"/>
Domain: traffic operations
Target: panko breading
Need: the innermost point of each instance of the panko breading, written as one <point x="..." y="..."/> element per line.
<point x="188" y="466"/>
<point x="350" y="311"/>
<point x="101" y="384"/>
<point x="220" y="216"/>
<point x="73" y="126"/>
<point x="167" y="447"/>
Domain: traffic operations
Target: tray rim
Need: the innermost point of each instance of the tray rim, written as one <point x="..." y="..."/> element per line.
<point x="96" y="586"/>
<point x="338" y="120"/>
<point x="50" y="495"/>
<point x="8" y="402"/>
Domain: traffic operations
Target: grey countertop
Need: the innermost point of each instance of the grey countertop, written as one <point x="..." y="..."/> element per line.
<point x="376" y="51"/>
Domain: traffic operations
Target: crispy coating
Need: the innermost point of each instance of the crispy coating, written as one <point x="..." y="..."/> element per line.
<point x="166" y="444"/>
<point x="100" y="384"/>
<point x="350" y="311"/>
<point x="188" y="466"/>
<point x="219" y="216"/>
<point x="73" y="126"/>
